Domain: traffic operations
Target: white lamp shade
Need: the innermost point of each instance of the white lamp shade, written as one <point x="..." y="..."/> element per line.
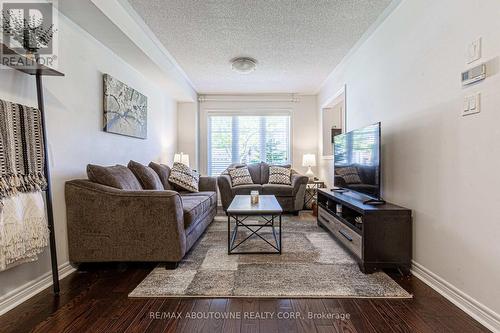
<point x="181" y="158"/>
<point x="309" y="160"/>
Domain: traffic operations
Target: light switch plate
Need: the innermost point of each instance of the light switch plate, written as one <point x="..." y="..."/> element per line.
<point x="474" y="51"/>
<point x="472" y="104"/>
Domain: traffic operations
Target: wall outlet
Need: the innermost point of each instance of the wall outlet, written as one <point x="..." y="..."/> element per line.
<point x="474" y="51"/>
<point x="472" y="104"/>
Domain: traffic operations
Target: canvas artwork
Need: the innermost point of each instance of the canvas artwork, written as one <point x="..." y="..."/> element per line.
<point x="125" y="109"/>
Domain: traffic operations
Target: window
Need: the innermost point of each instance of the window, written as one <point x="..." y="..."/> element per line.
<point x="247" y="139"/>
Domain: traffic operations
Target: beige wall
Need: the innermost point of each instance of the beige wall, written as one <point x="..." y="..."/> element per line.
<point x="303" y="116"/>
<point x="187" y="136"/>
<point x="75" y="136"/>
<point x="443" y="166"/>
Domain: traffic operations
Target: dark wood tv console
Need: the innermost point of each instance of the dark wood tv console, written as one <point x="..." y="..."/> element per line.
<point x="383" y="239"/>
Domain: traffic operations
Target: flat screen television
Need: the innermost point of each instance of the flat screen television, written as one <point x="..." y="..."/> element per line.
<point x="357" y="161"/>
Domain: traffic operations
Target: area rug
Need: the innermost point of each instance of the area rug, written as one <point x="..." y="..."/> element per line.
<point x="312" y="264"/>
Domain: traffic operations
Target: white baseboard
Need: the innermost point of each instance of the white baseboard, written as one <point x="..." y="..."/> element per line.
<point x="30" y="289"/>
<point x="487" y="317"/>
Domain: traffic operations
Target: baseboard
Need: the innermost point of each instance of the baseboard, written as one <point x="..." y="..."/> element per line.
<point x="487" y="317"/>
<point x="30" y="289"/>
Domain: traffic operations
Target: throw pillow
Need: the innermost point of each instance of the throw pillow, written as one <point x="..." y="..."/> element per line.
<point x="349" y="174"/>
<point x="240" y="176"/>
<point x="163" y="171"/>
<point x="118" y="176"/>
<point x="280" y="175"/>
<point x="146" y="176"/>
<point x="232" y="167"/>
<point x="184" y="177"/>
<point x="226" y="172"/>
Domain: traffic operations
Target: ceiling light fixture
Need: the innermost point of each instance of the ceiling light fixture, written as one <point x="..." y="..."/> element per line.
<point x="243" y="65"/>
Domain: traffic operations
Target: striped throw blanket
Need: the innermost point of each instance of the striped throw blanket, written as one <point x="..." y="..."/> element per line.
<point x="21" y="149"/>
<point x="23" y="225"/>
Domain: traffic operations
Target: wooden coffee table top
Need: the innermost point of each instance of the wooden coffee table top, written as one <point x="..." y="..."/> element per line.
<point x="267" y="205"/>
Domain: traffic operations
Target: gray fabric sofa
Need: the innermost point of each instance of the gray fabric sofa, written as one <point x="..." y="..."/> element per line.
<point x="129" y="223"/>
<point x="290" y="197"/>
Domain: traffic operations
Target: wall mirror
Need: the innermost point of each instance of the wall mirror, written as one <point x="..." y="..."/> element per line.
<point x="333" y="121"/>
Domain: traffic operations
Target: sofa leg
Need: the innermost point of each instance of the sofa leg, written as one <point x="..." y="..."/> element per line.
<point x="171" y="265"/>
<point x="296" y="213"/>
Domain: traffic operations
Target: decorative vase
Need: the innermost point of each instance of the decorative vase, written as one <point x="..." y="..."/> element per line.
<point x="254" y="197"/>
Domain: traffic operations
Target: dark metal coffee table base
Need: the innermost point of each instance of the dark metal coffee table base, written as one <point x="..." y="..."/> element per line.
<point x="269" y="223"/>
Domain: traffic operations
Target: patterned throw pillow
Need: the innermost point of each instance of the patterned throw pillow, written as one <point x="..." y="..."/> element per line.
<point x="226" y="172"/>
<point x="184" y="177"/>
<point x="349" y="174"/>
<point x="232" y="167"/>
<point x="280" y="175"/>
<point x="240" y="176"/>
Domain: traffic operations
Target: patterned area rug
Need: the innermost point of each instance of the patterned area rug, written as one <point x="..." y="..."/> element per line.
<point x="312" y="264"/>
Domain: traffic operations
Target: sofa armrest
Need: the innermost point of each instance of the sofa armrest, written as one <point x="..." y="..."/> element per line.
<point x="108" y="224"/>
<point x="207" y="184"/>
<point x="298" y="180"/>
<point x="226" y="191"/>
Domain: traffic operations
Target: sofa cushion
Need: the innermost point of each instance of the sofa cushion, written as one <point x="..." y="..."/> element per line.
<point x="118" y="176"/>
<point x="209" y="194"/>
<point x="240" y="176"/>
<point x="194" y="207"/>
<point x="254" y="170"/>
<point x="245" y="189"/>
<point x="184" y="177"/>
<point x="163" y="171"/>
<point x="280" y="175"/>
<point x="265" y="171"/>
<point x="147" y="177"/>
<point x="278" y="190"/>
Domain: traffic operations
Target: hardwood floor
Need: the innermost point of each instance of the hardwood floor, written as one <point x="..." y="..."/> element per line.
<point x="95" y="300"/>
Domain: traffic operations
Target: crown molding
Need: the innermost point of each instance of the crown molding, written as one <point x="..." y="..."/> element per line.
<point x="152" y="37"/>
<point x="117" y="27"/>
<point x="270" y="98"/>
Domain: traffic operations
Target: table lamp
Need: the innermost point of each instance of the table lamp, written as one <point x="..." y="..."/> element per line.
<point x="309" y="160"/>
<point x="181" y="158"/>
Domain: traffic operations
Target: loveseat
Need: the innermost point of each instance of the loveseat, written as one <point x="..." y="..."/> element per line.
<point x="290" y="197"/>
<point x="116" y="216"/>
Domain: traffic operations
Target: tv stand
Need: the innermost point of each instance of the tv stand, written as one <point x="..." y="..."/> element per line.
<point x="376" y="236"/>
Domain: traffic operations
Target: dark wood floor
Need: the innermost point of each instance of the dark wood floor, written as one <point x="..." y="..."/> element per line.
<point x="95" y="300"/>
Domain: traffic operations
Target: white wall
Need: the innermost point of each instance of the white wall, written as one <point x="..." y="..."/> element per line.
<point x="304" y="120"/>
<point x="187" y="137"/>
<point x="74" y="115"/>
<point x="443" y="166"/>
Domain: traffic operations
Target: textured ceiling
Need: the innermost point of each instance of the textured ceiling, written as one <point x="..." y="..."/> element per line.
<point x="296" y="43"/>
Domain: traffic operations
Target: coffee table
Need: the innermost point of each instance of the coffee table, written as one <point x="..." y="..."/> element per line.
<point x="241" y="209"/>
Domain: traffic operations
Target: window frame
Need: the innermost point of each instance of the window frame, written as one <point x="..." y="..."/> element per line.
<point x="243" y="112"/>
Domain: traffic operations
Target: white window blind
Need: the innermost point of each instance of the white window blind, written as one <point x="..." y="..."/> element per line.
<point x="247" y="139"/>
